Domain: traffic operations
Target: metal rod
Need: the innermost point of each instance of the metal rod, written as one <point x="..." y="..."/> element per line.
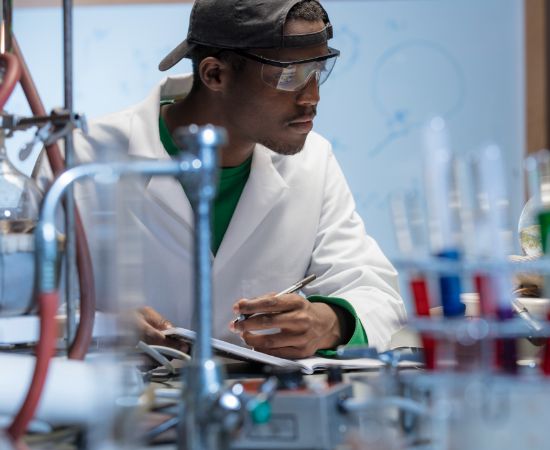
<point x="3" y="28"/>
<point x="203" y="288"/>
<point x="56" y="119"/>
<point x="70" y="259"/>
<point x="6" y="26"/>
<point x="203" y="381"/>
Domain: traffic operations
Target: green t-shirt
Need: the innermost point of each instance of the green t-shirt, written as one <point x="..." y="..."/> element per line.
<point x="230" y="187"/>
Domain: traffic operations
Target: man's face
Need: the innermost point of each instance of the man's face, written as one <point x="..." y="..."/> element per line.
<point x="258" y="112"/>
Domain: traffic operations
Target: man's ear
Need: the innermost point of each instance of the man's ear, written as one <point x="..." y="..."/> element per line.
<point x="214" y="73"/>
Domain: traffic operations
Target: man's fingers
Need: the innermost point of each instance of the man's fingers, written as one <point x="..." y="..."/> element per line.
<point x="153" y="336"/>
<point x="154" y="319"/>
<point x="274" y="341"/>
<point x="259" y="322"/>
<point x="150" y="325"/>
<point x="269" y="304"/>
<point x="303" y="327"/>
<point x="178" y="344"/>
<point x="150" y="334"/>
<point x="293" y="322"/>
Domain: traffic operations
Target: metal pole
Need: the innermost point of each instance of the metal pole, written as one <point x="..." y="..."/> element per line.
<point x="202" y="425"/>
<point x="203" y="263"/>
<point x="70" y="259"/>
<point x="5" y="27"/>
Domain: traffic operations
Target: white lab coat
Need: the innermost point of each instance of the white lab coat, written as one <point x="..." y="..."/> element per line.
<point x="296" y="216"/>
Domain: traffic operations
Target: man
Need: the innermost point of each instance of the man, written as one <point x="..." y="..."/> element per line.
<point x="283" y="209"/>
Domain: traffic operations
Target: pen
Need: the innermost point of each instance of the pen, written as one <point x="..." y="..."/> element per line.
<point x="289" y="290"/>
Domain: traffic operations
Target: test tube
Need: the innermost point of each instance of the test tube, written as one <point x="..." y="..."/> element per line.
<point x="410" y="235"/>
<point x="494" y="245"/>
<point x="443" y="215"/>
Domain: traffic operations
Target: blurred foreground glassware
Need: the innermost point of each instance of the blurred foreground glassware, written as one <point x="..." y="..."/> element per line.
<point x="20" y="199"/>
<point x="529" y="230"/>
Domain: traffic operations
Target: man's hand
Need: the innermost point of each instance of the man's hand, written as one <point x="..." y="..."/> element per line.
<point x="305" y="327"/>
<point x="150" y="324"/>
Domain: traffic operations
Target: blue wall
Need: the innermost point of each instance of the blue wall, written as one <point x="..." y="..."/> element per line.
<point x="402" y="61"/>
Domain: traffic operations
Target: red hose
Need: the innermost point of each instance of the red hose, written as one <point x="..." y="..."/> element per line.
<point x="85" y="329"/>
<point x="83" y="336"/>
<point x="44" y="350"/>
<point x="11" y="76"/>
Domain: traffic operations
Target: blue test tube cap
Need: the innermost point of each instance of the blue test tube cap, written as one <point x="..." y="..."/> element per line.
<point x="450" y="288"/>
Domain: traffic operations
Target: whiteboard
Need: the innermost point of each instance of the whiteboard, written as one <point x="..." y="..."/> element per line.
<point x="402" y="62"/>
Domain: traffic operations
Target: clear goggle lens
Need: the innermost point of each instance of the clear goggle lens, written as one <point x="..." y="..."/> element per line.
<point x="296" y="76"/>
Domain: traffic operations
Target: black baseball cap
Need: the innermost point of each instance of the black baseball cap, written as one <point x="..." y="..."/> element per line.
<point x="242" y="24"/>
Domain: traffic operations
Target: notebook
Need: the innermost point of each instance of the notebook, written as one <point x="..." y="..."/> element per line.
<point x="306" y="365"/>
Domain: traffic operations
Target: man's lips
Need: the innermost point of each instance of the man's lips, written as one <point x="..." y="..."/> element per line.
<point x="302" y="120"/>
<point x="302" y="125"/>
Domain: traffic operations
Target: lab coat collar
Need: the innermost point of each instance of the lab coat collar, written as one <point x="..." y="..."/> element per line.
<point x="263" y="190"/>
<point x="145" y="143"/>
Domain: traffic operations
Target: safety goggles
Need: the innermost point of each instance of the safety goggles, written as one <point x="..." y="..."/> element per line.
<point x="294" y="75"/>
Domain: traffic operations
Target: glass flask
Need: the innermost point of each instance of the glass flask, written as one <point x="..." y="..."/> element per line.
<point x="20" y="200"/>
<point x="529" y="231"/>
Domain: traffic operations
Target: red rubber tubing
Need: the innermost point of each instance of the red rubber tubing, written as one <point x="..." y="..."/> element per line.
<point x="44" y="351"/>
<point x="11" y="76"/>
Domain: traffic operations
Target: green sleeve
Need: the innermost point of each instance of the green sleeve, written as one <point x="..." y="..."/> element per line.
<point x="359" y="337"/>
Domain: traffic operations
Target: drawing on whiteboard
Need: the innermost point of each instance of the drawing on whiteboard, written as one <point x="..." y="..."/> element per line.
<point x="413" y="81"/>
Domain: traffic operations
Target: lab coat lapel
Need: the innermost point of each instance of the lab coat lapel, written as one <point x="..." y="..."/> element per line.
<point x="145" y="143"/>
<point x="263" y="190"/>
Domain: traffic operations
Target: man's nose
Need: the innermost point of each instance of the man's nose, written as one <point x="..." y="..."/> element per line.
<point x="309" y="94"/>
